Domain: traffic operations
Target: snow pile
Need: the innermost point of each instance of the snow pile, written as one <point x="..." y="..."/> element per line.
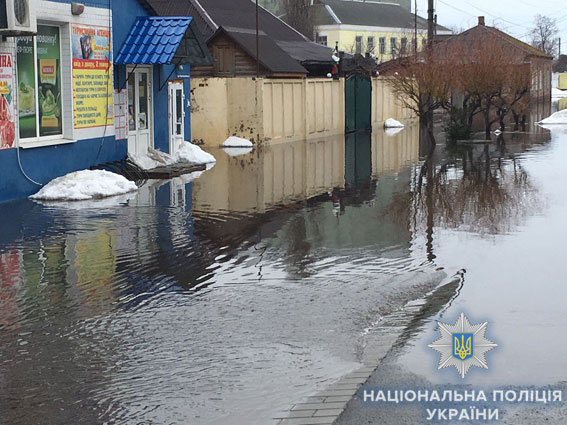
<point x="83" y="185"/>
<point x="390" y="132"/>
<point x="186" y="153"/>
<point x="100" y="203"/>
<point x="557" y="93"/>
<point x="237" y="151"/>
<point x="193" y="154"/>
<point x="392" y="123"/>
<point x="152" y="159"/>
<point x="556" y="118"/>
<point x="237" y="142"/>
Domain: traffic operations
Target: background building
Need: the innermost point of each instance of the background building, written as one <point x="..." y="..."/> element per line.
<point x="384" y="30"/>
<point x="277" y="7"/>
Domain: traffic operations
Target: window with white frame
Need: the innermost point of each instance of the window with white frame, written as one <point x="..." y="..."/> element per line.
<point x="393" y="45"/>
<point x="322" y="39"/>
<point x="404" y="46"/>
<point x="382" y="45"/>
<point x="38" y="62"/>
<point x="358" y="44"/>
<point x="370" y="46"/>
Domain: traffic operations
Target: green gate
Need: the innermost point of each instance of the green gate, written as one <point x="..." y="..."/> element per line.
<point x="358" y="102"/>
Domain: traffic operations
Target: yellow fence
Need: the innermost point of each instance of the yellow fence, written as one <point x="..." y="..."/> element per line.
<point x="272" y="109"/>
<point x="302" y="108"/>
<point x="386" y="105"/>
<point x="283" y="172"/>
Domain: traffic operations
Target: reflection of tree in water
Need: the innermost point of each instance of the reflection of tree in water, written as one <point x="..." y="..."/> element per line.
<point x="479" y="188"/>
<point x="298" y="255"/>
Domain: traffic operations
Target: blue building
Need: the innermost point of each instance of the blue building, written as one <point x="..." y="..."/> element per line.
<point x="90" y="83"/>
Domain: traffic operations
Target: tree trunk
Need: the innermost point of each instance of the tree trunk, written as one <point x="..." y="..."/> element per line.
<point x="487" y="123"/>
<point x="502" y="123"/>
<point x="516" y="120"/>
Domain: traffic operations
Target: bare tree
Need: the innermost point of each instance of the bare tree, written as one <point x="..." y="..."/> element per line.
<point x="423" y="86"/>
<point x="544" y="35"/>
<point x="465" y="78"/>
<point x="300" y="16"/>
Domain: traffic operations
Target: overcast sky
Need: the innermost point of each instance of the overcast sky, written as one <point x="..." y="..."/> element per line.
<point x="515" y="17"/>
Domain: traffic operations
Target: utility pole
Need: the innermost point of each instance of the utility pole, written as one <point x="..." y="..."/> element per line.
<point x="415" y="28"/>
<point x="430" y="22"/>
<point x="258" y="43"/>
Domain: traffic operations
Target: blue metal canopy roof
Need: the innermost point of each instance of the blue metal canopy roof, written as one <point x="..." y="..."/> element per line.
<point x="153" y="40"/>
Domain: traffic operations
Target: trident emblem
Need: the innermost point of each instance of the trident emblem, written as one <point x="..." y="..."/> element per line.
<point x="462" y="345"/>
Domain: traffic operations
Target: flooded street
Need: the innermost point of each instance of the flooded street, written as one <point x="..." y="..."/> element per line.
<point x="228" y="298"/>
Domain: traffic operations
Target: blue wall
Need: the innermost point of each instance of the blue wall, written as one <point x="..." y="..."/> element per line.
<point x="124" y="16"/>
<point x="43" y="164"/>
<point x="46" y="163"/>
<point x="161" y="122"/>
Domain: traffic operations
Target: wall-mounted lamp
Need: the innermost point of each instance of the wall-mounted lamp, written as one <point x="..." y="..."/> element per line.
<point x="180" y="67"/>
<point x="77" y="8"/>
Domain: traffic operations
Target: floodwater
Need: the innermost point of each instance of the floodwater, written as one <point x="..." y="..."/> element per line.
<point x="228" y="298"/>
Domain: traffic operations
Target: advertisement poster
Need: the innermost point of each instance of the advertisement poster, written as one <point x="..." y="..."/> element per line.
<point x="7" y="126"/>
<point x="26" y="87"/>
<point x="93" y="90"/>
<point x="40" y="96"/>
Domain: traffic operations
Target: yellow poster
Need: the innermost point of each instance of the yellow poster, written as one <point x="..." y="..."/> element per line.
<point x="93" y="88"/>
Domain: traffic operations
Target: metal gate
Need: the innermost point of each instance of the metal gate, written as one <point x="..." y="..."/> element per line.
<point x="358" y="102"/>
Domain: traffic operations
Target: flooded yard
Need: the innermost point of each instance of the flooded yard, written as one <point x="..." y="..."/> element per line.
<point x="226" y="299"/>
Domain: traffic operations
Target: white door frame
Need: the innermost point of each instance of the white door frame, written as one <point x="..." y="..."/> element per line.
<point x="140" y="124"/>
<point x="176" y="115"/>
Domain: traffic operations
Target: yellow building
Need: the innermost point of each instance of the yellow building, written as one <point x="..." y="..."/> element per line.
<point x="385" y="30"/>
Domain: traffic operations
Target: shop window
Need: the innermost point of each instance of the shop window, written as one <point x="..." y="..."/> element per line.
<point x="39" y="84"/>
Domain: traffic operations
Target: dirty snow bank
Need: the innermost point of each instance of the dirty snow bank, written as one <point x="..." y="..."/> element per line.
<point x="237" y="142"/>
<point x="558" y="93"/>
<point x="186" y="152"/>
<point x="83" y="185"/>
<point x="391" y="132"/>
<point x="151" y="159"/>
<point x="556" y="118"/>
<point x="237" y="151"/>
<point x="392" y="123"/>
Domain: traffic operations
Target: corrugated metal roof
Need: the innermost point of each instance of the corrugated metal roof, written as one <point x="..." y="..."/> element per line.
<point x="153" y="40"/>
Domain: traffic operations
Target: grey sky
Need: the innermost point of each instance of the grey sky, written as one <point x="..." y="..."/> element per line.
<point x="515" y="17"/>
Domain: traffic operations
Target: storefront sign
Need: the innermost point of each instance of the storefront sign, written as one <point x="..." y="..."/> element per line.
<point x="92" y="77"/>
<point x="7" y="125"/>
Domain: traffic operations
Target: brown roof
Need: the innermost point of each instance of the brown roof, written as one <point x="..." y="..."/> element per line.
<point x="280" y="44"/>
<point x="480" y="31"/>
<point x="272" y="57"/>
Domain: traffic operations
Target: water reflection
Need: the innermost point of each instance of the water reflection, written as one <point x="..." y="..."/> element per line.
<point x="169" y="306"/>
<point x="480" y="188"/>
